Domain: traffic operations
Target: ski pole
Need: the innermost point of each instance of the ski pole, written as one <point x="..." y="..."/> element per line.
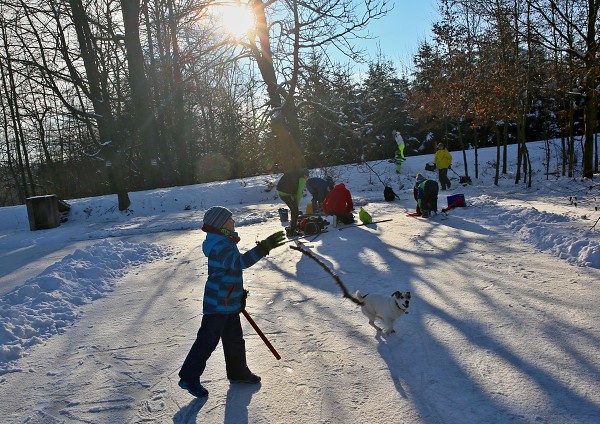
<point x="261" y="334"/>
<point x="454" y="171"/>
<point x="364" y="223"/>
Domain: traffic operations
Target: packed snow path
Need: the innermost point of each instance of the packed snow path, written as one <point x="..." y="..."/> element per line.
<point x="98" y="314"/>
<point x="497" y="332"/>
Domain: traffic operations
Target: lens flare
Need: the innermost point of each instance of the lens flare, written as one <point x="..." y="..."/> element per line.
<point x="236" y="20"/>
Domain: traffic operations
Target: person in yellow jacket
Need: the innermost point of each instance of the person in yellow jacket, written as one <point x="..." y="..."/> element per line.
<point x="443" y="161"/>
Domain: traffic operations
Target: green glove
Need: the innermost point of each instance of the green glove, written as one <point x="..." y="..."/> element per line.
<point x="274" y="240"/>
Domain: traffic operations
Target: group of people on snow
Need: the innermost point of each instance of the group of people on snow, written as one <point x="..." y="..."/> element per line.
<point x="327" y="197"/>
<point x="224" y="294"/>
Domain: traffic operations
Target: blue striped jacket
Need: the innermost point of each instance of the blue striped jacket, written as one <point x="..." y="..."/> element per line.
<point x="225" y="284"/>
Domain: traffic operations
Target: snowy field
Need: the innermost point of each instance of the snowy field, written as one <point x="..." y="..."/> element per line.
<point x="99" y="313"/>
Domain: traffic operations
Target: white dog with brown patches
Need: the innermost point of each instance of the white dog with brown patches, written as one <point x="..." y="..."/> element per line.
<point x="387" y="309"/>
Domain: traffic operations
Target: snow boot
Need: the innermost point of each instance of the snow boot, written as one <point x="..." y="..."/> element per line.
<point x="194" y="388"/>
<point x="249" y="379"/>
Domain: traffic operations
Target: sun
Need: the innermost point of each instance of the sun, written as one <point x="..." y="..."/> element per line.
<point x="236" y="19"/>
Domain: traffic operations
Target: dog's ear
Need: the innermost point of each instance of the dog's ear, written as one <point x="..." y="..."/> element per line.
<point x="408" y="295"/>
<point x="398" y="295"/>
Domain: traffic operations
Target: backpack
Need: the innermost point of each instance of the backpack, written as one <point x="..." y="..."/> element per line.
<point x="389" y="195"/>
<point x="364" y="216"/>
<point x="312" y="228"/>
<point x="313" y="225"/>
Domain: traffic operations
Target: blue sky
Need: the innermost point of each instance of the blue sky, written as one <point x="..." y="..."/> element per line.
<point x="399" y="33"/>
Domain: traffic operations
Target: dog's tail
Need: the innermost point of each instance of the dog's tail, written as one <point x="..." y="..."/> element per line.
<point x="360" y="297"/>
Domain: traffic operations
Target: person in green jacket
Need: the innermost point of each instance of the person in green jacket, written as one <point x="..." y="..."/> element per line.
<point x="443" y="161"/>
<point x="290" y="188"/>
<point x="426" y="196"/>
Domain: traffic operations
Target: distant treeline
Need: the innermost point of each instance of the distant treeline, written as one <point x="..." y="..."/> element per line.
<point x="103" y="97"/>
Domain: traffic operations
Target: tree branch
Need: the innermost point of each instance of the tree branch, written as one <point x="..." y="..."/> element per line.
<point x="337" y="279"/>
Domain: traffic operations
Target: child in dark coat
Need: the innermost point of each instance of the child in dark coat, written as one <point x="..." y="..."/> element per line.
<point x="224" y="299"/>
<point x="318" y="188"/>
<point x="426" y="195"/>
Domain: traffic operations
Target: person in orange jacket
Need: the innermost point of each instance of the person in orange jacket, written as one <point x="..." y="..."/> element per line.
<point x="338" y="202"/>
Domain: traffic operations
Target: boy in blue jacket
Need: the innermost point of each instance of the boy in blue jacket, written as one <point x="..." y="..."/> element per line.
<point x="224" y="299"/>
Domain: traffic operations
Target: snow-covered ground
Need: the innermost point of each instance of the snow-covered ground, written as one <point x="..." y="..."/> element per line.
<point x="99" y="313"/>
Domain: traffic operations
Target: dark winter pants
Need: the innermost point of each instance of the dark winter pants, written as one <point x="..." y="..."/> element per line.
<point x="317" y="199"/>
<point x="345" y="218"/>
<point x="215" y="327"/>
<point x="430" y="196"/>
<point x="290" y="201"/>
<point x="443" y="177"/>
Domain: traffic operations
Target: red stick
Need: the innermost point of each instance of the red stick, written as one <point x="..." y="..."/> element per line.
<point x="261" y="334"/>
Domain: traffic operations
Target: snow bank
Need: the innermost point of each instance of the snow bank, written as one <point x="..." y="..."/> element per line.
<point x="46" y="304"/>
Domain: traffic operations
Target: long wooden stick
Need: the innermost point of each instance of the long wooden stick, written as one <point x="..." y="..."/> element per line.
<point x="337" y="279"/>
<point x="261" y="334"/>
<point x="364" y="223"/>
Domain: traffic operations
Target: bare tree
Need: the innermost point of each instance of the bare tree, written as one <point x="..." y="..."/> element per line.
<point x="22" y="168"/>
<point x="570" y="27"/>
<point x="146" y="128"/>
<point x="97" y="89"/>
<point x="284" y="32"/>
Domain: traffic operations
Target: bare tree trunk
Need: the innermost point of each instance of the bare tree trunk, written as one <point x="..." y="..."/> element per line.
<point x="145" y="120"/>
<point x="596" y="170"/>
<point x="179" y="130"/>
<point x="101" y="103"/>
<point x="571" y="155"/>
<point x="505" y="145"/>
<point x="475" y="146"/>
<point x="283" y="122"/>
<point x="590" y="84"/>
<point x="563" y="150"/>
<point x="498" y="144"/>
<point x="529" y="166"/>
<point x="548" y="158"/>
<point x="522" y="147"/>
<point x="462" y="148"/>
<point x="164" y="168"/>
